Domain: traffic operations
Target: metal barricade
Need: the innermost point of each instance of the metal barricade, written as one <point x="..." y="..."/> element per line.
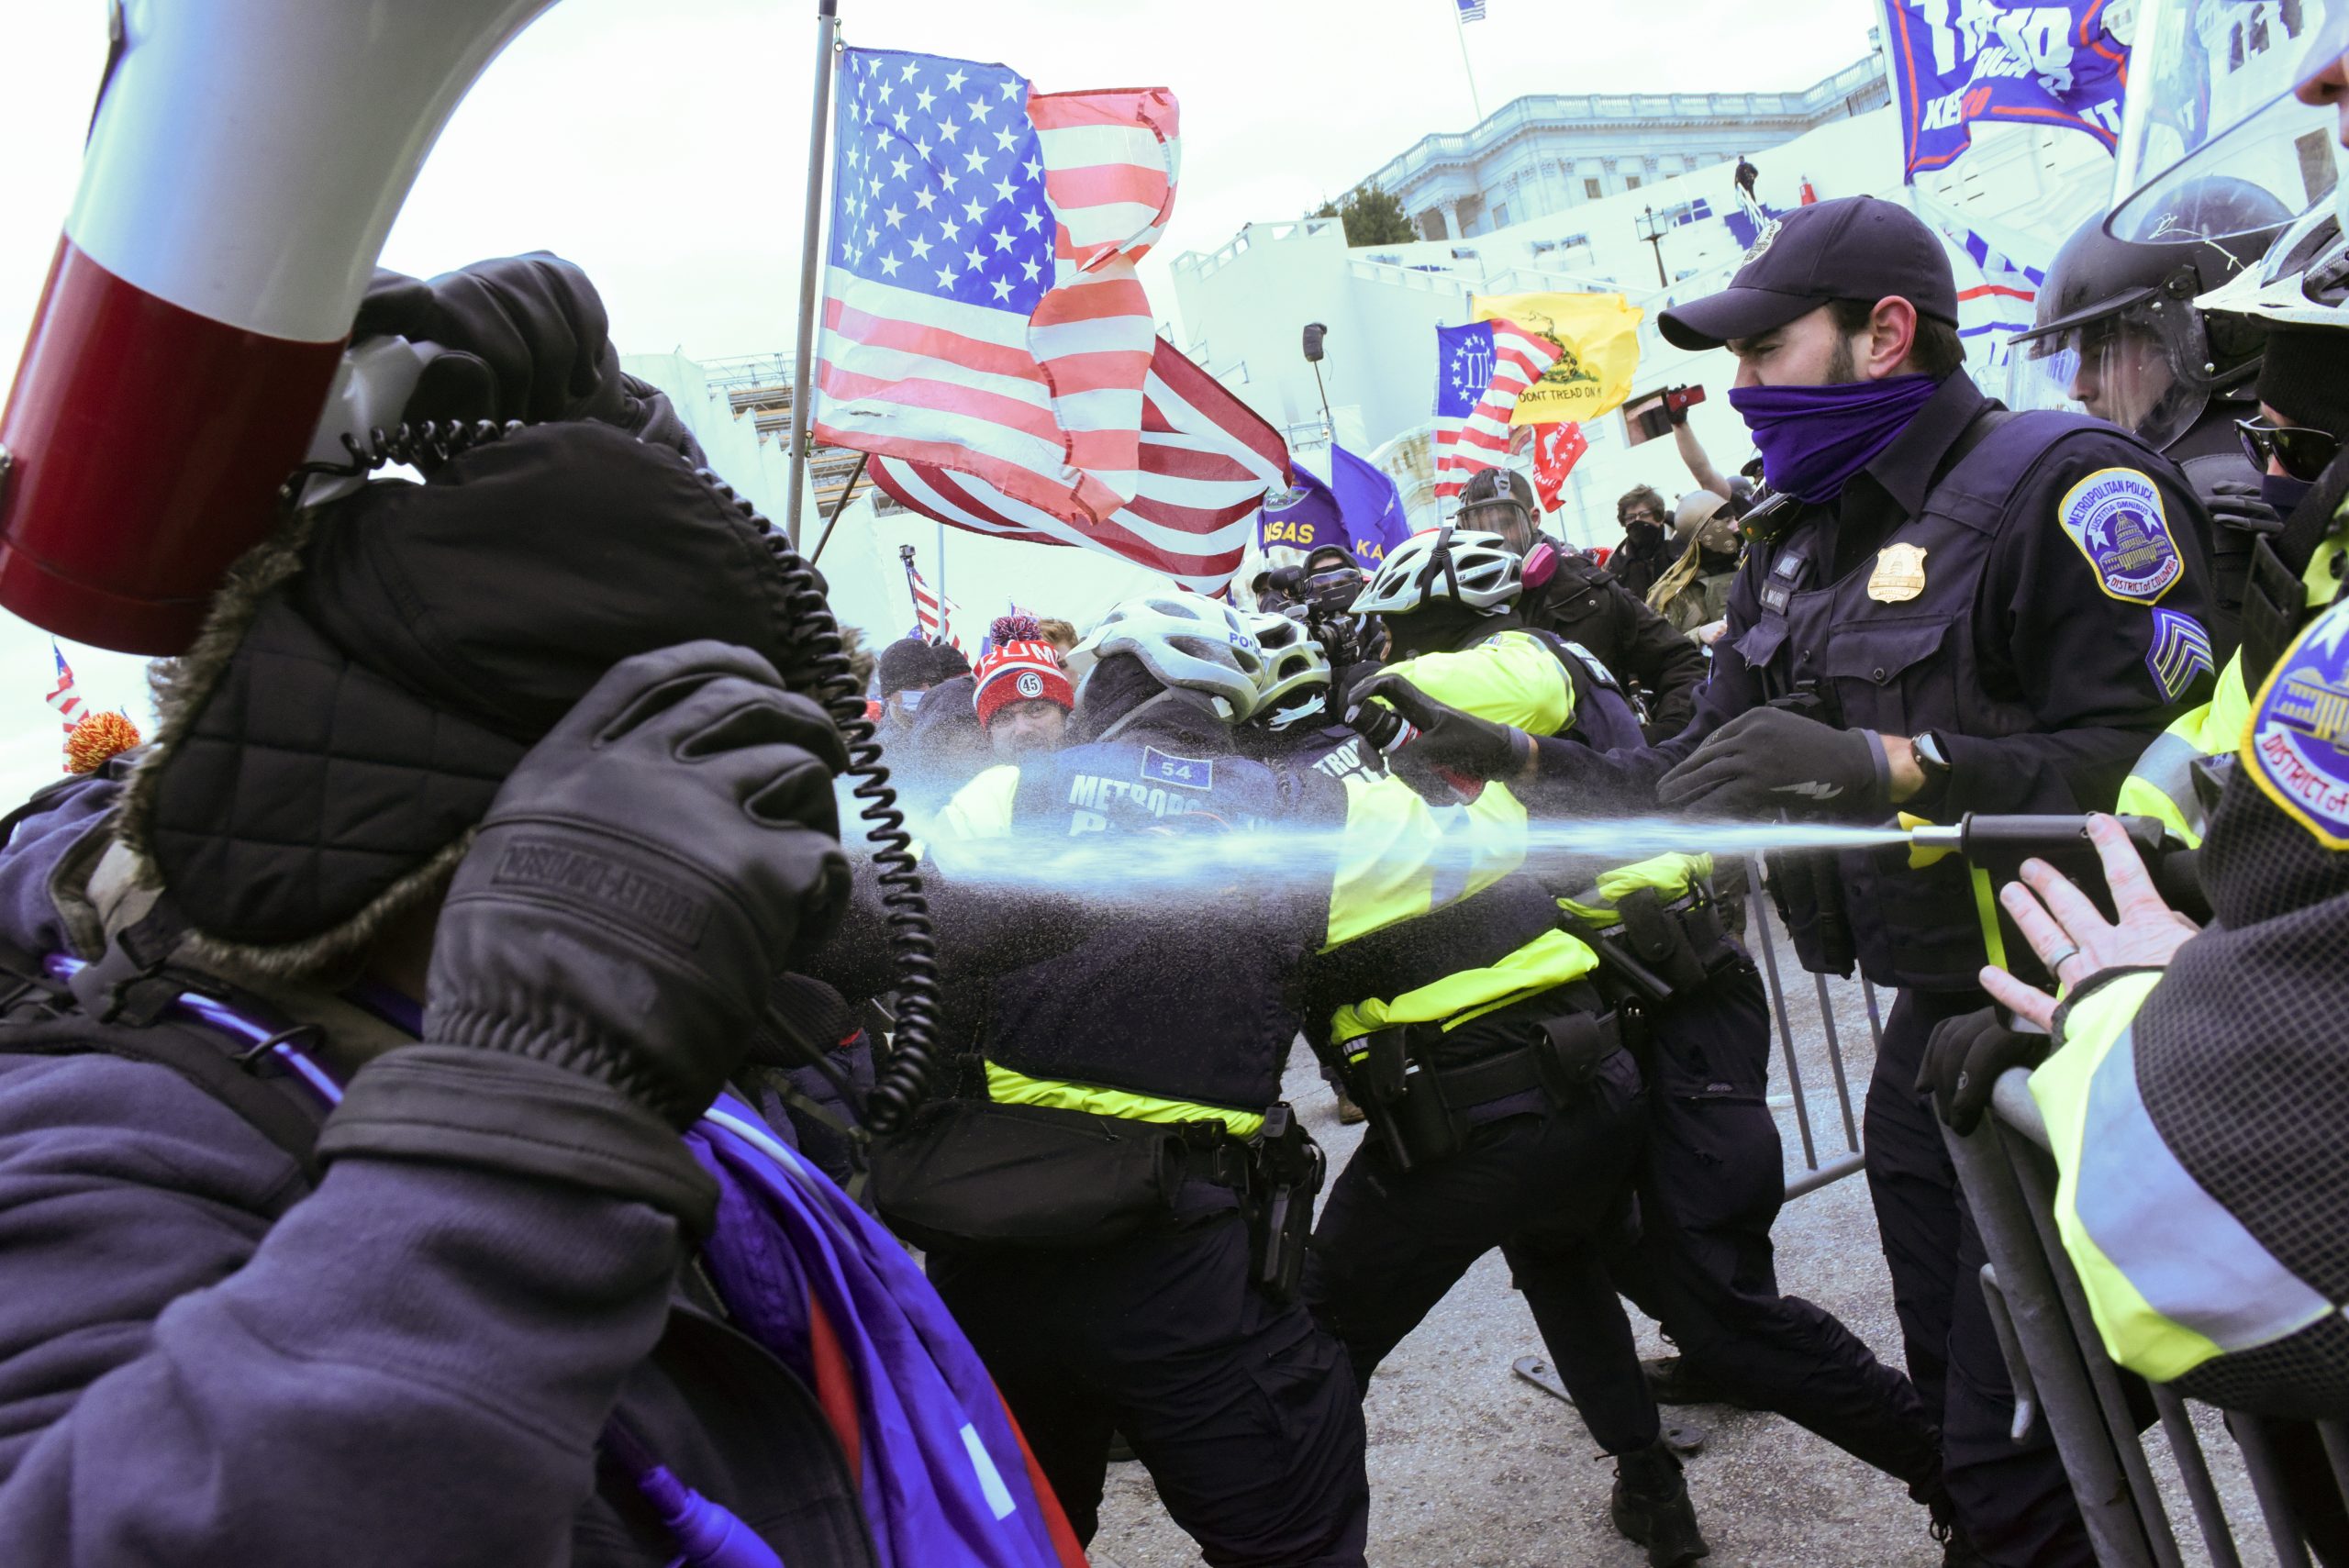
<point x="1765" y="941"/>
<point x="2093" y="1409"/>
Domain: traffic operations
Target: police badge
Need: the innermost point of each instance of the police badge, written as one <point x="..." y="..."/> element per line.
<point x="2114" y="516"/>
<point x="2296" y="747"/>
<point x="1899" y="573"/>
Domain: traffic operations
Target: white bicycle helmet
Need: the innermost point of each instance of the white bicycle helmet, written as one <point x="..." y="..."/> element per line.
<point x="1470" y="568"/>
<point x="1293" y="685"/>
<point x="1201" y="645"/>
<point x="2303" y="281"/>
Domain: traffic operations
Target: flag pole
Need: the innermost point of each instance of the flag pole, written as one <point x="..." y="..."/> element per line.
<point x="1460" y="31"/>
<point x="810" y="257"/>
<point x="838" y="507"/>
<point x="906" y="554"/>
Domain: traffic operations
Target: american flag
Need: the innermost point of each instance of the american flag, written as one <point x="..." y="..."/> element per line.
<point x="1480" y="370"/>
<point x="1472" y="10"/>
<point x="929" y="620"/>
<point x="65" y="699"/>
<point x="981" y="311"/>
<point x="1206" y="460"/>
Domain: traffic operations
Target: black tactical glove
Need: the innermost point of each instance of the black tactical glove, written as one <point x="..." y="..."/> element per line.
<point x="1433" y="747"/>
<point x="1767" y="759"/>
<point x="526" y="338"/>
<point x="1963" y="1059"/>
<point x="2242" y="506"/>
<point x="642" y="877"/>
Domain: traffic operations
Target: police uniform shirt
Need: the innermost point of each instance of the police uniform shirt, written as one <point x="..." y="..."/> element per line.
<point x="2089" y="660"/>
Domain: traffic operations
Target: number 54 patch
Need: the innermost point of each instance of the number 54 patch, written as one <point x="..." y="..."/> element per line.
<point x="1182" y="773"/>
<point x="2115" y="518"/>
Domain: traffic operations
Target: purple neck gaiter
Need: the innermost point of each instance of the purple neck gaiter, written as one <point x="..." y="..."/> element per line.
<point x="1812" y="439"/>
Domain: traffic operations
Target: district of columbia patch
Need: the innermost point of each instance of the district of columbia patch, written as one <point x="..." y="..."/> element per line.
<point x="1899" y="573"/>
<point x="2181" y="650"/>
<point x="2115" y="518"/>
<point x="1182" y="773"/>
<point x="2296" y="743"/>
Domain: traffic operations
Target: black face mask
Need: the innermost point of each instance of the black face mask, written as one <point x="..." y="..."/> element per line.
<point x="1643" y="537"/>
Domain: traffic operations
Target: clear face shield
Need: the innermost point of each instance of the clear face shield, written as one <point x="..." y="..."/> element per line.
<point x="1499" y="516"/>
<point x="2212" y="87"/>
<point x="2145" y="367"/>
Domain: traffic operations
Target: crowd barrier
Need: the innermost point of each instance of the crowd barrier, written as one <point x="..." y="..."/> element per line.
<point x="2095" y="1410"/>
<point x="1806" y="1004"/>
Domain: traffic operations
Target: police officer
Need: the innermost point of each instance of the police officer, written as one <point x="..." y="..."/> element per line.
<point x="2300" y="426"/>
<point x="1568" y="593"/>
<point x="1115" y="1204"/>
<point x="2119" y="333"/>
<point x="1506" y="1109"/>
<point x="1712" y="1180"/>
<point x="1952" y="610"/>
<point x="2197" y="1177"/>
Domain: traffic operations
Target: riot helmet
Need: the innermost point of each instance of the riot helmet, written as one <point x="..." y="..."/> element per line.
<point x="2117" y="330"/>
<point x="2213" y="89"/>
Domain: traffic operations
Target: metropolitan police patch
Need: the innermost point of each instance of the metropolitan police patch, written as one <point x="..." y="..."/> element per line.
<point x="2115" y="517"/>
<point x="2296" y="747"/>
<point x="2181" y="650"/>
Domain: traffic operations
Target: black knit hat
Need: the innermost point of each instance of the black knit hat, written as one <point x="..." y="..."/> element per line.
<point x="2304" y="378"/>
<point x="920" y="662"/>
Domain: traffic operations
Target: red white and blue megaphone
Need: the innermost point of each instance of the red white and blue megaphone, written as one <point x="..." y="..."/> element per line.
<point x="245" y="163"/>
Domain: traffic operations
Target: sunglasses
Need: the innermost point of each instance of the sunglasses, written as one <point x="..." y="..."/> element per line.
<point x="2302" y="453"/>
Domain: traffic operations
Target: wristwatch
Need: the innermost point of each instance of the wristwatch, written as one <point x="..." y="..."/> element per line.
<point x="1932" y="761"/>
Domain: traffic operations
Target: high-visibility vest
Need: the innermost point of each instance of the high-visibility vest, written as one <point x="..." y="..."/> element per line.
<point x="2162" y="784"/>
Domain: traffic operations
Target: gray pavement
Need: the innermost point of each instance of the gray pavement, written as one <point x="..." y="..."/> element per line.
<point x="1469" y="1465"/>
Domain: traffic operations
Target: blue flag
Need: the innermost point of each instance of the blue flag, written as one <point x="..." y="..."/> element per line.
<point x="2027" y="63"/>
<point x="1372" y="505"/>
<point x="1358" y="509"/>
<point x="1463" y="368"/>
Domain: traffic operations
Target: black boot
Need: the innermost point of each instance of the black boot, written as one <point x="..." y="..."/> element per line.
<point x="1650" y="1506"/>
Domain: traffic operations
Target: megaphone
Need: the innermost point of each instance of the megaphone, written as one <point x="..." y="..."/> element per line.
<point x="245" y="163"/>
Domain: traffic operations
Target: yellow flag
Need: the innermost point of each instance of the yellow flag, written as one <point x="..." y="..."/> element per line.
<point x="1597" y="339"/>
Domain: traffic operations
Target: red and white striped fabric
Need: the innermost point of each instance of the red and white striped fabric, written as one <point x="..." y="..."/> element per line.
<point x="64" y="698"/>
<point x="981" y="311"/>
<point x="1481" y="439"/>
<point x="934" y="622"/>
<point x="1207" y="462"/>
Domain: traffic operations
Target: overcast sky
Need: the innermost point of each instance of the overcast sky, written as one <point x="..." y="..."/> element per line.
<point x="662" y="145"/>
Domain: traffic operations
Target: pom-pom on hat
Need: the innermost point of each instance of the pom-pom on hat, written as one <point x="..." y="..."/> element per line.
<point x="97" y="739"/>
<point x="1022" y="667"/>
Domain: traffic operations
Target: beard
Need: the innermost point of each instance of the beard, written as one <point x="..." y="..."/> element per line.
<point x="1842" y="366"/>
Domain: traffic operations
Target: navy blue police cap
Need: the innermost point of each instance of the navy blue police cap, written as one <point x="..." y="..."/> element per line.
<point x="1851" y="247"/>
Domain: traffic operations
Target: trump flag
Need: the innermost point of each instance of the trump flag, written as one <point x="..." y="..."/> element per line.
<point x="1957" y="61"/>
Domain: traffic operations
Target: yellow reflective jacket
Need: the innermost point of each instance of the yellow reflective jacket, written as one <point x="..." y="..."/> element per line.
<point x="2162" y="784"/>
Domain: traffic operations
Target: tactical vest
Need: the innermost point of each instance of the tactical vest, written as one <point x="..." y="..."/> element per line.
<point x="1900" y="669"/>
<point x="2196" y="1116"/>
<point x="1160" y="1005"/>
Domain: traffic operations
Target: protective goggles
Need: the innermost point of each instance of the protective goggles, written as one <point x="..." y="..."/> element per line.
<point x="2301" y="452"/>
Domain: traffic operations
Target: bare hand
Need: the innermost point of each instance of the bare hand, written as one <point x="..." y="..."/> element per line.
<point x="2071" y="938"/>
<point x="1710" y="633"/>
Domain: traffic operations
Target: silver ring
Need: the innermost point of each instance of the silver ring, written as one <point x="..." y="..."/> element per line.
<point x="2057" y="961"/>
